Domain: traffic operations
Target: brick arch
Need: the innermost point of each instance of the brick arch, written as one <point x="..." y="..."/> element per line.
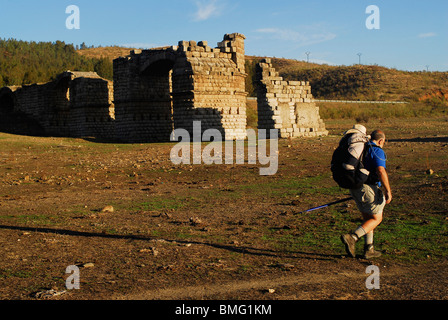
<point x="161" y="89"/>
<point x="159" y="62"/>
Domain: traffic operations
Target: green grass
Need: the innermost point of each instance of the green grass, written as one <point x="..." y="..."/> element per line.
<point x="287" y="187"/>
<point x="365" y="112"/>
<point x="160" y="203"/>
<point x="8" y="273"/>
<point x="37" y="219"/>
<point x="406" y="234"/>
<point x="66" y="146"/>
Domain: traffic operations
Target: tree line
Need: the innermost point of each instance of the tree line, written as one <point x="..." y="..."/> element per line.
<point x="23" y="62"/>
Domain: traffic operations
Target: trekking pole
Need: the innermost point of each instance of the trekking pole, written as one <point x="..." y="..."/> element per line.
<point x="326" y="205"/>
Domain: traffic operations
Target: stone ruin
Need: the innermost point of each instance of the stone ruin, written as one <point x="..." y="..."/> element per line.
<point x="158" y="90"/>
<point x="75" y="104"/>
<point x="286" y="105"/>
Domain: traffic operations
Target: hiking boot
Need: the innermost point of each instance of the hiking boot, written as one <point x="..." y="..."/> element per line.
<point x="349" y="241"/>
<point x="370" y="253"/>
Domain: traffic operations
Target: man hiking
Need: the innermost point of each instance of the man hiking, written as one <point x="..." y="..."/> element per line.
<point x="370" y="199"/>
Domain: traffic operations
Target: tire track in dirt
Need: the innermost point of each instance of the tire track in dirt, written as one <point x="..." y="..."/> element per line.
<point x="209" y="291"/>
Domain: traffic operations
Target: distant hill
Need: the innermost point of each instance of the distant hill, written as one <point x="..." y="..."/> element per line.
<point x="357" y="82"/>
<point x="109" y="53"/>
<point x="364" y="82"/>
<point x="29" y="62"/>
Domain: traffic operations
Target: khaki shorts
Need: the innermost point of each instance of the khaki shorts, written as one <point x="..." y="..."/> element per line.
<point x="369" y="199"/>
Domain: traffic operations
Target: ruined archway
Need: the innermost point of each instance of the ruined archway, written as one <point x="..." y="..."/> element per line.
<point x="60" y="99"/>
<point x="161" y="89"/>
<point x="154" y="112"/>
<point x="144" y="101"/>
<point x="157" y="85"/>
<point x="57" y="106"/>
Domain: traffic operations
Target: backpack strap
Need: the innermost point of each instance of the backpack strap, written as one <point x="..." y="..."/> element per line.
<point x="373" y="147"/>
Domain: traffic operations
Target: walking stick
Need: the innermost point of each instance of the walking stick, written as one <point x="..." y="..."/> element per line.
<point x="326" y="205"/>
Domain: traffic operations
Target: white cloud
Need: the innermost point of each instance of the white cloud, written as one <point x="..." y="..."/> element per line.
<point x="305" y="38"/>
<point x="206" y="9"/>
<point x="427" y="35"/>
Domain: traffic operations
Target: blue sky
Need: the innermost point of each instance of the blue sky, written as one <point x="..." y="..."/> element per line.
<point x="412" y="35"/>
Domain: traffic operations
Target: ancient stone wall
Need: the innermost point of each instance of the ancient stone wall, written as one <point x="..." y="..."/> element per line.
<point x="75" y="104"/>
<point x="142" y="96"/>
<point x="92" y="112"/>
<point x="13" y="120"/>
<point x="286" y="105"/>
<point x="161" y="89"/>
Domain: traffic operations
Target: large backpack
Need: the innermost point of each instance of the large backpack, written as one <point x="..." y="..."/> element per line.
<point x="347" y="162"/>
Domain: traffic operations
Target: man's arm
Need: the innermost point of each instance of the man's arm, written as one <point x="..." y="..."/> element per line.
<point x="384" y="178"/>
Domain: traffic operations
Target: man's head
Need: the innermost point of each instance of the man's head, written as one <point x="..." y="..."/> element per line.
<point x="379" y="138"/>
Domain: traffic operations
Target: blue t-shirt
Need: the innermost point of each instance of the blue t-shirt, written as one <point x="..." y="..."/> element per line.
<point x="375" y="157"/>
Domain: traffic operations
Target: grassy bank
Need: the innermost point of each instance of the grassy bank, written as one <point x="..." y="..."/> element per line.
<point x="364" y="112"/>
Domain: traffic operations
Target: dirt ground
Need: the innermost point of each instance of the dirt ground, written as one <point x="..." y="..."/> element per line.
<point x="219" y="231"/>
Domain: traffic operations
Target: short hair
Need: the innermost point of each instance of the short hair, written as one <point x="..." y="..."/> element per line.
<point x="377" y="135"/>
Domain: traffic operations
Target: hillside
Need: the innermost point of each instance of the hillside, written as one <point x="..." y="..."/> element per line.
<point x="29" y="62"/>
<point x="23" y="62"/>
<point x="109" y="53"/>
<point x="364" y="82"/>
<point x="369" y="82"/>
<point x="357" y="82"/>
